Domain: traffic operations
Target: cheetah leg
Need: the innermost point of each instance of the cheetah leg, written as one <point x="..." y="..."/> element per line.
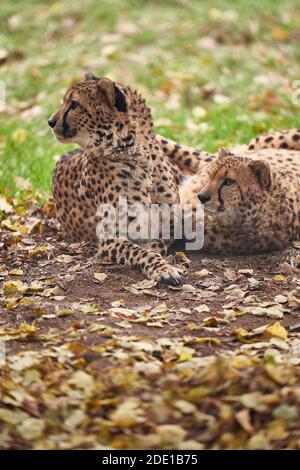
<point x="159" y="246"/>
<point x="152" y="264"/>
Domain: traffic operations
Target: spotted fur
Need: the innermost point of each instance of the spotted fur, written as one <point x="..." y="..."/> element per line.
<point x="118" y="155"/>
<point x="251" y="200"/>
<point x="191" y="160"/>
<point x="188" y="159"/>
<point x="287" y="139"/>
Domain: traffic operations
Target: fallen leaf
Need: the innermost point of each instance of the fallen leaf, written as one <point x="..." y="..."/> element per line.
<point x="276" y="330"/>
<point x="100" y="276"/>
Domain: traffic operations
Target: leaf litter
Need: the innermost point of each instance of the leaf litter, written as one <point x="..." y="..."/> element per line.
<point x="213" y="364"/>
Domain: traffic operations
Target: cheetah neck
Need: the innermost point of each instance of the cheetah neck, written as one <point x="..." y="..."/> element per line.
<point x="130" y="137"/>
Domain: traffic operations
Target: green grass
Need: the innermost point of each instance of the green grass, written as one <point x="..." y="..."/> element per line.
<point x="158" y="47"/>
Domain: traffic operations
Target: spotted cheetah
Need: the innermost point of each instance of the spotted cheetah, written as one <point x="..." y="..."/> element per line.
<point x="251" y="196"/>
<point x="118" y="155"/>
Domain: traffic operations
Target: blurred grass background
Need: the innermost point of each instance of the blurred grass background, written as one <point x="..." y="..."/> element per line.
<point x="214" y="72"/>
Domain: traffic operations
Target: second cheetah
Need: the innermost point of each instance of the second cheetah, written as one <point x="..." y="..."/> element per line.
<point x="251" y="195"/>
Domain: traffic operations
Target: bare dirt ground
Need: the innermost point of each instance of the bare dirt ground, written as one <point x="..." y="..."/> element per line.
<point x="99" y="357"/>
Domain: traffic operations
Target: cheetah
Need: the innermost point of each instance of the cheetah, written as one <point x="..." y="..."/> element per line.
<point x="117" y="155"/>
<point x="251" y="195"/>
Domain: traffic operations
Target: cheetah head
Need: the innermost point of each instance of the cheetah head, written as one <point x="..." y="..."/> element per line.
<point x="93" y="113"/>
<point x="234" y="185"/>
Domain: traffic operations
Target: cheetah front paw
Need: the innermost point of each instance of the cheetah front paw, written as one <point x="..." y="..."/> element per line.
<point x="169" y="275"/>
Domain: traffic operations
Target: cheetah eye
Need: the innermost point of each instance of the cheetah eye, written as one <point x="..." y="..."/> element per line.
<point x="74" y="104"/>
<point x="228" y="182"/>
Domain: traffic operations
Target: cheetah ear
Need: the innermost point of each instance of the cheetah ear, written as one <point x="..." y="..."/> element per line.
<point x="262" y="171"/>
<point x="223" y="152"/>
<point x="112" y="94"/>
<point x="91" y="76"/>
<point x="120" y="102"/>
<point x="106" y="89"/>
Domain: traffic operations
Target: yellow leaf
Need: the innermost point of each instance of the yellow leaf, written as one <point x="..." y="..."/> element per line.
<point x="240" y="362"/>
<point x="277" y="330"/>
<point x="185" y="354"/>
<point x="15" y="228"/>
<point x="210" y="321"/>
<point x="48" y="208"/>
<point x="241" y="333"/>
<point x="14" y="288"/>
<point x="196" y="394"/>
<point x="279" y="278"/>
<point x="16" y="272"/>
<point x="22" y="332"/>
<point x="276" y="429"/>
<point x="12" y="304"/>
<point x="280" y="34"/>
<point x="39" y="310"/>
<point x="193" y="326"/>
<point x="183" y="257"/>
<point x="37" y="251"/>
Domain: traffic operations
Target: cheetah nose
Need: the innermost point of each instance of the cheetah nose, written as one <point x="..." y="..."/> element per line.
<point x="204" y="197"/>
<point x="52" y="123"/>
